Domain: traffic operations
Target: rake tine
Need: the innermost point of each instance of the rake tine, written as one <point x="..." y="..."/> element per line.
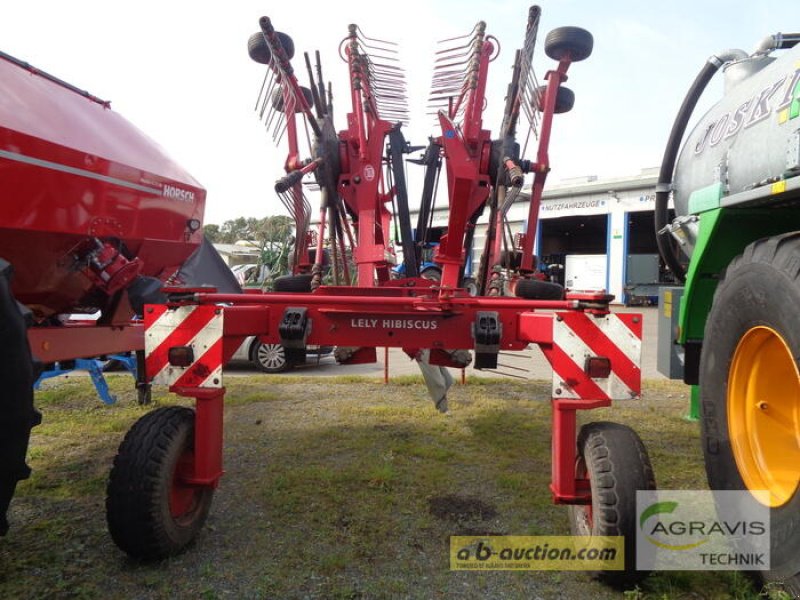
<point x="462" y="37"/>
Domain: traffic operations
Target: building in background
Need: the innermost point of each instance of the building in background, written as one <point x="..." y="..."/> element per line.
<point x="600" y="231"/>
<point x="239" y="253"/>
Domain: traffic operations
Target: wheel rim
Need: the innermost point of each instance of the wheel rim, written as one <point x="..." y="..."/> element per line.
<point x="763" y="423"/>
<point x="183" y="497"/>
<point x="271" y="356"/>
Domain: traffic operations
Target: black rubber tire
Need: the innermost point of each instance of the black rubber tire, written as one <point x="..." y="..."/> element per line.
<point x="570" y="43"/>
<point x="293" y="283"/>
<point x="760" y="287"/>
<point x="432" y="274"/>
<point x="277" y="99"/>
<point x="565" y="99"/>
<point x="18" y="373"/>
<point x="534" y="289"/>
<point x="269" y="358"/>
<point x="259" y="51"/>
<point x="617" y="465"/>
<point x="139" y="488"/>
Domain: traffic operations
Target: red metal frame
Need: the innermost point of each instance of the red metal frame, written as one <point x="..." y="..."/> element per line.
<point x="397" y="317"/>
<point x="542" y="165"/>
<point x="75" y="340"/>
<point x="380" y="312"/>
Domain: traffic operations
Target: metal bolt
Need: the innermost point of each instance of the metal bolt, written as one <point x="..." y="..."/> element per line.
<point x="762" y="405"/>
<point x="150" y="310"/>
<point x="559" y="318"/>
<point x="558" y="391"/>
<point x="636" y="319"/>
<point x="216" y="380"/>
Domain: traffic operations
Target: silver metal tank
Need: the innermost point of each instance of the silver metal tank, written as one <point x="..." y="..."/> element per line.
<point x="750" y="137"/>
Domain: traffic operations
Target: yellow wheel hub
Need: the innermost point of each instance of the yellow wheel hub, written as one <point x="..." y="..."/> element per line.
<point x="764" y="415"/>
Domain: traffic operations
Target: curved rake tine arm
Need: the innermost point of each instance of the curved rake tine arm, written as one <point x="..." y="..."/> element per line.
<point x="360" y="33"/>
<point x="478" y="25"/>
<point x="288" y="80"/>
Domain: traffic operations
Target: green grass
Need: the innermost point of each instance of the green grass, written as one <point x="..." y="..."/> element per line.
<point x="330" y="492"/>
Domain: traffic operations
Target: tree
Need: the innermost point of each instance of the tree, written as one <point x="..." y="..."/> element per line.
<point x="213" y="234"/>
<point x="237" y="229"/>
<point x="273" y="236"/>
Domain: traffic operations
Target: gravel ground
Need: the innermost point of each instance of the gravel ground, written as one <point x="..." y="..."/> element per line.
<point x="333" y="489"/>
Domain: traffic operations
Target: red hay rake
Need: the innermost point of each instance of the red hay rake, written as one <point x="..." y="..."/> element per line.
<point x="359" y="172"/>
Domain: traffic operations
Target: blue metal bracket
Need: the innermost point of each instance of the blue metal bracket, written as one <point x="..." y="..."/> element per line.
<point x="95" y="369"/>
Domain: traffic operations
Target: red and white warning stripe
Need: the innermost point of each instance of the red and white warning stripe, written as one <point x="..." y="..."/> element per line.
<point x="199" y="327"/>
<point x="578" y="336"/>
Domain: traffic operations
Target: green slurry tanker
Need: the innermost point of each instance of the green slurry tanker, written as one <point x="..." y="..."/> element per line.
<point x="735" y="242"/>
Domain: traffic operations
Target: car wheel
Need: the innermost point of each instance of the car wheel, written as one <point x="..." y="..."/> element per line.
<point x="269" y="358"/>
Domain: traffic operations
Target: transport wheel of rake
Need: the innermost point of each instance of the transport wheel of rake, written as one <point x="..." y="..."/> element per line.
<point x="565" y="99"/>
<point x="750" y="391"/>
<point x="259" y="51"/>
<point x="534" y="289"/>
<point x="569" y="43"/>
<point x="277" y="99"/>
<point x="151" y="512"/>
<point x="614" y="460"/>
<point x="293" y="283"/>
<point x="432" y="274"/>
<point x="269" y="358"/>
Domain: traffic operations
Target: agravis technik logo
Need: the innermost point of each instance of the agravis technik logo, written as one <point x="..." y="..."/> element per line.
<point x="701" y="530"/>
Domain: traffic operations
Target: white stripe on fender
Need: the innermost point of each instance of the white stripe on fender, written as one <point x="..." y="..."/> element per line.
<point x="577" y="350"/>
<point x="201" y="343"/>
<point x="199" y="327"/>
<point x="623" y="337"/>
<point x="157" y="331"/>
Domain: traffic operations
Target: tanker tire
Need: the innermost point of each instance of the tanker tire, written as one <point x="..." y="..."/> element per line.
<point x="761" y="287"/>
<point x="141" y="496"/>
<point x="17" y="414"/>
<point x="572" y="43"/>
<point x="293" y="283"/>
<point x="259" y="51"/>
<point x="565" y="99"/>
<point x="534" y="289"/>
<point x="614" y="460"/>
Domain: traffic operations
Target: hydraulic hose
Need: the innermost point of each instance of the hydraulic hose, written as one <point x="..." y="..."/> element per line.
<point x="664" y="186"/>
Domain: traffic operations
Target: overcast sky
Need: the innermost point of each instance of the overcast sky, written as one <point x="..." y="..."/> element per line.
<point x="179" y="70"/>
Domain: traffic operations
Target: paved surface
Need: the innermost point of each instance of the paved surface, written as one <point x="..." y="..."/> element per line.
<point x="529" y="364"/>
